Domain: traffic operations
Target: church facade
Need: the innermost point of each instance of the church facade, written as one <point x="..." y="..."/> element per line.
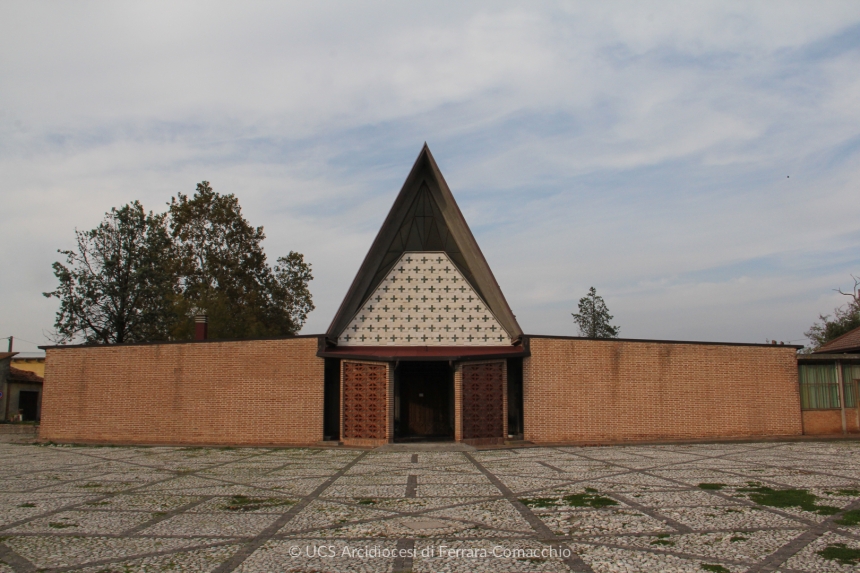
<point x="423" y="347"/>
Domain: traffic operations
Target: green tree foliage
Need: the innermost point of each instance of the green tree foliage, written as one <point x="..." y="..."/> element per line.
<point x="141" y="277"/>
<point x="119" y="285"/>
<point x="593" y="317"/>
<point x="225" y="273"/>
<point x="845" y="318"/>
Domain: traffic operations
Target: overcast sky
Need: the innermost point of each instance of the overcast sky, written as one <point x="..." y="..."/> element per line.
<point x="697" y="163"/>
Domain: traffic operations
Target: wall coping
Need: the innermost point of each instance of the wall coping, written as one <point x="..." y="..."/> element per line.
<point x="652" y="341"/>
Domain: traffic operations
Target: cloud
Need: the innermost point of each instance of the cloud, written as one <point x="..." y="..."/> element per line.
<point x="696" y="163"/>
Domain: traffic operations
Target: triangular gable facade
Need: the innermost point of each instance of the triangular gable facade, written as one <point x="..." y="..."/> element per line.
<point x="424" y="223"/>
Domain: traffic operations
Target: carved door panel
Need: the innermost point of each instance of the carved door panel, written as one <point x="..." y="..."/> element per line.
<point x="365" y="400"/>
<point x="483" y="400"/>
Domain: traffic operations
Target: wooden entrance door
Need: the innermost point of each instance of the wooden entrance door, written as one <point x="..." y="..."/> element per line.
<point x="425" y="400"/>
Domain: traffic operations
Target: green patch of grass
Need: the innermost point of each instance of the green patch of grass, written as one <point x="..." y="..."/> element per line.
<point x="714" y="568"/>
<point x="839" y="552"/>
<point x="736" y="538"/>
<point x="590" y="490"/>
<point x="851" y="517"/>
<point x="712" y="486"/>
<point x="848" y="492"/>
<point x="801" y="498"/>
<point x="366" y="501"/>
<point x="245" y="503"/>
<point x="61" y="525"/>
<point x="663" y="536"/>
<point x="588" y="500"/>
<point x="28" y="504"/>
<point x="540" y="502"/>
<point x="662" y="542"/>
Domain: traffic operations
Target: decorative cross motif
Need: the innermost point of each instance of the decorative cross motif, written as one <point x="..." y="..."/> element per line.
<point x="444" y="309"/>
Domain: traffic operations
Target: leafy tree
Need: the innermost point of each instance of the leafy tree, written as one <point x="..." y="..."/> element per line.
<point x="845" y="319"/>
<point x="593" y="317"/>
<point x="119" y="285"/>
<point x="141" y="277"/>
<point x="224" y="272"/>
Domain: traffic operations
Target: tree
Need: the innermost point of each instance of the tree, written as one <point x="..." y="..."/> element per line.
<point x="119" y="285"/>
<point x="224" y="272"/>
<point x="141" y="277"/>
<point x="593" y="317"/>
<point x="845" y="319"/>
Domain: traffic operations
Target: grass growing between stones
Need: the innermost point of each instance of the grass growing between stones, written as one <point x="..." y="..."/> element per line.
<point x="366" y="501"/>
<point x="588" y="499"/>
<point x="539" y="502"/>
<point x="850" y="518"/>
<point x="839" y="552"/>
<point x="245" y="503"/>
<point x="714" y="568"/>
<point x="801" y="498"/>
<point x="712" y="486"/>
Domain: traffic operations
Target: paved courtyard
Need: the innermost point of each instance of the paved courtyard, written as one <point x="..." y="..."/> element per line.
<point x="718" y="507"/>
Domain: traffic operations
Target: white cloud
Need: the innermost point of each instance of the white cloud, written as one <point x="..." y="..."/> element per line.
<point x="641" y="147"/>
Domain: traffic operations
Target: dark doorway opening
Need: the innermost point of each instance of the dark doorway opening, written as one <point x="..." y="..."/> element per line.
<point x="515" y="398"/>
<point x="423" y="401"/>
<point x="331" y="400"/>
<point x="28" y="403"/>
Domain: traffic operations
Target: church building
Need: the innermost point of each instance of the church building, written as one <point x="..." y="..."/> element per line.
<point x="424" y="346"/>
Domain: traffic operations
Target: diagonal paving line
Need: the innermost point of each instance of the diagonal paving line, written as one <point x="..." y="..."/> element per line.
<point x="784" y="553"/>
<point x="165" y="516"/>
<point x="740" y="501"/>
<point x="175" y="475"/>
<point x="240" y="556"/>
<point x="552" y="467"/>
<point x="651" y="513"/>
<point x="681" y="554"/>
<point x="574" y="562"/>
<point x="16" y="562"/>
<point x="135" y="556"/>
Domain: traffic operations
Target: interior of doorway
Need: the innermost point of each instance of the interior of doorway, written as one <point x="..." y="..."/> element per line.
<point x="423" y="401"/>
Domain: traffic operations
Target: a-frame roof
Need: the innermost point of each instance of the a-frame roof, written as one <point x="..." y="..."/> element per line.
<point x="425" y="217"/>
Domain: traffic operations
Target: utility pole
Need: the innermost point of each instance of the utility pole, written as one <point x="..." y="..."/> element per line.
<point x="10" y="343"/>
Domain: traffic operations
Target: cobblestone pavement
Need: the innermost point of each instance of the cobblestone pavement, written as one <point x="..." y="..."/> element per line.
<point x="715" y="507"/>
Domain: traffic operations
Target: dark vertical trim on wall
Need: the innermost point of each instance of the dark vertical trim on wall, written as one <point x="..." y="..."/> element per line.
<point x="515" y="398"/>
<point x="331" y="399"/>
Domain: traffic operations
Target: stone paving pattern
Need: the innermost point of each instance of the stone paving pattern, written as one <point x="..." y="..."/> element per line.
<point x="119" y="509"/>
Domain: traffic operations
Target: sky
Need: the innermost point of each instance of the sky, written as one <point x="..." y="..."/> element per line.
<point x="697" y="163"/>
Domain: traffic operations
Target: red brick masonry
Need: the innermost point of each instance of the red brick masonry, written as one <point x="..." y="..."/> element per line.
<point x="270" y="392"/>
<point x="589" y="391"/>
<point x="254" y="392"/>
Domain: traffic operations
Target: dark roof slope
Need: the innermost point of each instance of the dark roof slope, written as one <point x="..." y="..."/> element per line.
<point x="848" y="342"/>
<point x="425" y="217"/>
<point x="6" y="355"/>
<point x="18" y="375"/>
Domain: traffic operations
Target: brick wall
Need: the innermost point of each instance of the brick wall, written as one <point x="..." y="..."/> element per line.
<point x="255" y="392"/>
<point x="589" y="391"/>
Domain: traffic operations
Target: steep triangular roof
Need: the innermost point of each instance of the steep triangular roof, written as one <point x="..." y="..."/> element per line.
<point x="425" y="218"/>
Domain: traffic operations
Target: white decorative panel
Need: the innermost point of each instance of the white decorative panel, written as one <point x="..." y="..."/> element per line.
<point x="424" y="301"/>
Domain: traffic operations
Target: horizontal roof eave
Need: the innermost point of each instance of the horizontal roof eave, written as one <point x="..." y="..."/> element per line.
<point x="650" y="340"/>
<point x="416" y="353"/>
<point x="165" y="342"/>
<point x="826" y="357"/>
